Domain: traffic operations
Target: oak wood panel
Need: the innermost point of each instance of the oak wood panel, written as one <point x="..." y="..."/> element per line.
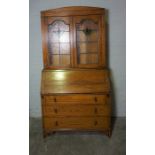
<point x="44" y="41"/>
<point x="73" y="11"/>
<point x="104" y="58"/>
<point x="77" y="123"/>
<point x="71" y="81"/>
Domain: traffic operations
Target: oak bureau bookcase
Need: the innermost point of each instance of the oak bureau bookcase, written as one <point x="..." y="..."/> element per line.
<point x="75" y="84"/>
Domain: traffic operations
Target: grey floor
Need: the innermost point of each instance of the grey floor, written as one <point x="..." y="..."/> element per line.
<point x="77" y="143"/>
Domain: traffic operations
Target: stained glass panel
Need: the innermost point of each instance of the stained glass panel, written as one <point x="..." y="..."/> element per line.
<point x="58" y="43"/>
<point x="64" y="48"/>
<point x="87" y="42"/>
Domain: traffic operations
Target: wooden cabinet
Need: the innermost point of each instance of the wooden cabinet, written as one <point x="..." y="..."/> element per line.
<point x="75" y="86"/>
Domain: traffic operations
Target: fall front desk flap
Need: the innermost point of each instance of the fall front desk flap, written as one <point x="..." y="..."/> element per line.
<point x="75" y="81"/>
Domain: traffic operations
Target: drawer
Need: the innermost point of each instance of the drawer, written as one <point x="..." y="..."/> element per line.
<point x="76" y="110"/>
<point x="92" y="99"/>
<point x="101" y="123"/>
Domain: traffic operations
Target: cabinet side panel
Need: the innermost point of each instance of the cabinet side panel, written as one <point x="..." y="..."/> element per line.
<point x="44" y="41"/>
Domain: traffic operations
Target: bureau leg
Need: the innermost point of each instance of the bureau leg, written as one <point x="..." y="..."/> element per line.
<point x="108" y="133"/>
<point x="54" y="132"/>
<point x="45" y="134"/>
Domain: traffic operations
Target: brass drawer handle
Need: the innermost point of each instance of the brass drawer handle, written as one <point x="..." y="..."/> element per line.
<point x="108" y="95"/>
<point x="95" y="99"/>
<point x="55" y="99"/>
<point x="56" y="123"/>
<point x="95" y="123"/>
<point x="56" y="111"/>
<point x="95" y="110"/>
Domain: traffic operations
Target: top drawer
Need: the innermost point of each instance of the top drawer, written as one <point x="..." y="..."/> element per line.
<point x="75" y="98"/>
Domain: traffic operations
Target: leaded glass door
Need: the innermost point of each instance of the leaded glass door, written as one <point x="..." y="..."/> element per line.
<point x="88" y="41"/>
<point x="73" y="42"/>
<point x="58" y="42"/>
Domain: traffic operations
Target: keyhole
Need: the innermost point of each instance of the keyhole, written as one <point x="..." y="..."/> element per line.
<point x="56" y="123"/>
<point x="95" y="110"/>
<point x="95" y="123"/>
<point x="55" y="100"/>
<point x="95" y="99"/>
<point x="55" y="110"/>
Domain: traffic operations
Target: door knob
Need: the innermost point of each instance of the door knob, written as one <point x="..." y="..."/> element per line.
<point x="95" y="99"/>
<point x="95" y="110"/>
<point x="56" y="123"/>
<point x="95" y="123"/>
<point x="55" y="99"/>
<point x="55" y="110"/>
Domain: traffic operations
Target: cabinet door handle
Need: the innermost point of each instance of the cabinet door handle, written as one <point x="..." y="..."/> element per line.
<point x="95" y="110"/>
<point x="108" y="95"/>
<point x="55" y="110"/>
<point x="95" y="123"/>
<point x="55" y="99"/>
<point x="95" y="99"/>
<point x="56" y="123"/>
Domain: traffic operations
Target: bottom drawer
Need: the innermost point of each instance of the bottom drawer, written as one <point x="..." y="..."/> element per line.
<point x="101" y="123"/>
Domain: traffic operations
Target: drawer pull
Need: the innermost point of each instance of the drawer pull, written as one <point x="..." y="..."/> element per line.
<point x="108" y="95"/>
<point x="55" y="99"/>
<point x="56" y="123"/>
<point x="95" y="110"/>
<point x="95" y="123"/>
<point x="55" y="110"/>
<point x="95" y="99"/>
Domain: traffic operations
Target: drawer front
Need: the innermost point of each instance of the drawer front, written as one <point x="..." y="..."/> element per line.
<point x="70" y="99"/>
<point x="76" y="110"/>
<point x="102" y="123"/>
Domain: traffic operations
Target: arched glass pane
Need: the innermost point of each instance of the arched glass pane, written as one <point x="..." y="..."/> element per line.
<point x="58" y="43"/>
<point x="87" y="42"/>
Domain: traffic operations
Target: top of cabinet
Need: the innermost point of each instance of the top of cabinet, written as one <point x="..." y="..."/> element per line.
<point x="73" y="11"/>
<point x="74" y="37"/>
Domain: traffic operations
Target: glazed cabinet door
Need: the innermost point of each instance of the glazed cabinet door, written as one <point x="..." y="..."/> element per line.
<point x="88" y="41"/>
<point x="57" y="42"/>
